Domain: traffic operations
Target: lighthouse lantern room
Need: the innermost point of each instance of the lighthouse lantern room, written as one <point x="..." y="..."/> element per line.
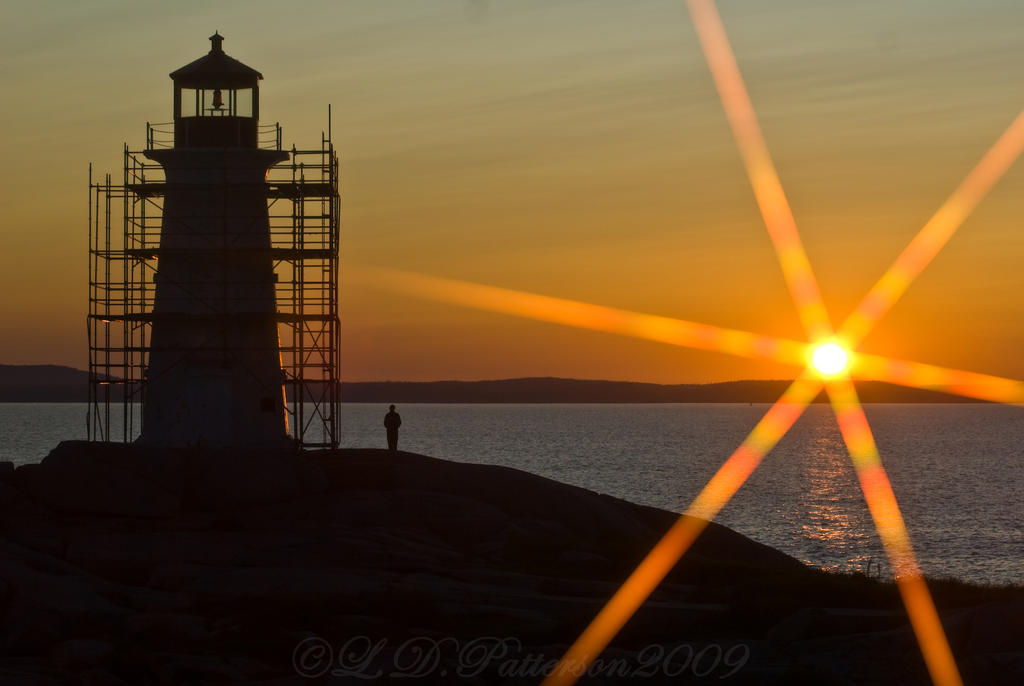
<point x="216" y="101"/>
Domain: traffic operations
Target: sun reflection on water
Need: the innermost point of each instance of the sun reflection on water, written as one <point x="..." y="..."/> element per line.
<point x="832" y="512"/>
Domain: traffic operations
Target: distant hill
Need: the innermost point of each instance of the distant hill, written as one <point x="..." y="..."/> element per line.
<point x="53" y="383"/>
<point x="42" y="383"/>
<point x="555" y="390"/>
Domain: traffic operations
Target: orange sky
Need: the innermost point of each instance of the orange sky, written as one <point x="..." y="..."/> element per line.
<point x="571" y="148"/>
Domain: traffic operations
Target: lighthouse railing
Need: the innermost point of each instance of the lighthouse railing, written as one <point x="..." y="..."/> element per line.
<point x="160" y="135"/>
<point x="268" y="136"/>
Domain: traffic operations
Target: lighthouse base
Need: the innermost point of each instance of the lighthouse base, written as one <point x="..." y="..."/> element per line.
<point x="214" y="376"/>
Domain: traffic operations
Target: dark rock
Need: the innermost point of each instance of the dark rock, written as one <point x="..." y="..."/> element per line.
<point x="250" y="667"/>
<point x="99" y="677"/>
<point x="593" y="521"/>
<point x="994" y="668"/>
<point x="106" y="478"/>
<point x="125" y="558"/>
<point x="141" y="481"/>
<point x="31" y="547"/>
<point x="30" y="675"/>
<point x="43" y="606"/>
<point x="174" y="668"/>
<point x="260" y="550"/>
<point x="176" y="575"/>
<point x="229" y="479"/>
<point x="285" y="586"/>
<point x="132" y="557"/>
<point x="803" y="675"/>
<point x="582" y="560"/>
<point x="80" y="653"/>
<point x="6" y="593"/>
<point x="6" y="470"/>
<point x="996" y="629"/>
<point x="798" y="626"/>
<point x="168" y="628"/>
<point x="13" y="499"/>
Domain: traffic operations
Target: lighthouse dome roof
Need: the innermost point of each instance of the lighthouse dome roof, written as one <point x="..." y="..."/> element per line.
<point x="216" y="69"/>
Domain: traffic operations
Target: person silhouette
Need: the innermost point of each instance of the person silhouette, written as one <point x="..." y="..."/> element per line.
<point x="392" y="420"/>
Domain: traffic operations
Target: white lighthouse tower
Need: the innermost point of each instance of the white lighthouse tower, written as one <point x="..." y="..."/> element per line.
<point x="214" y="374"/>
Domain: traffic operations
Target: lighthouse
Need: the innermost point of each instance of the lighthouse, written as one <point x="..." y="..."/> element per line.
<point x="214" y="373"/>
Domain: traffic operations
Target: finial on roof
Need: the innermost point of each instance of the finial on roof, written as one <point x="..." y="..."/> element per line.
<point x="215" y="41"/>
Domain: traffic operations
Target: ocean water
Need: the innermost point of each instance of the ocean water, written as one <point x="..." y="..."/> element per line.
<point x="957" y="470"/>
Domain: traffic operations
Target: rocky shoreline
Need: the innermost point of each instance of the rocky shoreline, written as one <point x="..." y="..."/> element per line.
<point x="120" y="566"/>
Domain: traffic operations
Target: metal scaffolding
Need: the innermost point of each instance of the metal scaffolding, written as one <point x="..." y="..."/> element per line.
<point x="303" y="208"/>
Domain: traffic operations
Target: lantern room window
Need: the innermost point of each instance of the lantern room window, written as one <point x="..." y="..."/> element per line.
<point x="216" y="102"/>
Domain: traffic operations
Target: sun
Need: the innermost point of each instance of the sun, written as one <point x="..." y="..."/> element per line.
<point x="830" y="358"/>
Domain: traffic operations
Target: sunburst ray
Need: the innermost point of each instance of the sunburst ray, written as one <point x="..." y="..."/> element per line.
<point x="589" y="316"/>
<point x="771" y="199"/>
<point x="935" y="234"/>
<point x="931" y="377"/>
<point x="885" y="511"/>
